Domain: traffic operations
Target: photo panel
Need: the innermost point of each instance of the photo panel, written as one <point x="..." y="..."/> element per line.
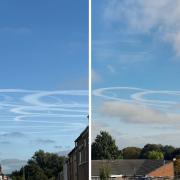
<point x="44" y="90"/>
<point x="135" y="89"/>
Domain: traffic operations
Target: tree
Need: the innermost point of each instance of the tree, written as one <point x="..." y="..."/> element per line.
<point x="157" y="155"/>
<point x="168" y="152"/>
<point x="176" y="153"/>
<point x="50" y="163"/>
<point x="45" y="166"/>
<point x="150" y="147"/>
<point x="131" y="153"/>
<point x="105" y="147"/>
<point x="17" y="175"/>
<point x="34" y="172"/>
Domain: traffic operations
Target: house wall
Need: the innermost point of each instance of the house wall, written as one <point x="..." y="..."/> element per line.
<point x="78" y="158"/>
<point x="82" y="155"/>
<point x="65" y="172"/>
<point x="166" y="170"/>
<point x="72" y="166"/>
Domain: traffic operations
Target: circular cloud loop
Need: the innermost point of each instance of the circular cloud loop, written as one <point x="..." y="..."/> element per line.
<point x="138" y="95"/>
<point x="23" y="104"/>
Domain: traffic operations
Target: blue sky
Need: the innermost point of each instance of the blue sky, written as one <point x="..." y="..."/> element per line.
<point x="136" y="69"/>
<point x="43" y="75"/>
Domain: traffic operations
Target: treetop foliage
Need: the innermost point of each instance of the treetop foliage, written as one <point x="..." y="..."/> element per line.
<point x="42" y="165"/>
<point x="104" y="147"/>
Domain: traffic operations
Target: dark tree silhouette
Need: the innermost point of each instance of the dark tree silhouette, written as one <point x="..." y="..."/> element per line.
<point x="105" y="147"/>
<point x="45" y="166"/>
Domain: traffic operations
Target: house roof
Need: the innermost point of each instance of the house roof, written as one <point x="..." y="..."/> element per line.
<point x="137" y="167"/>
<point x="72" y="151"/>
<point x="82" y="134"/>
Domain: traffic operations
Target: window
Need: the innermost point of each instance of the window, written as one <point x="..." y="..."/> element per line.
<point x="80" y="157"/>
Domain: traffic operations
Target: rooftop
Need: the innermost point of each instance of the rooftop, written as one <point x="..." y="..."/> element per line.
<point x="139" y="167"/>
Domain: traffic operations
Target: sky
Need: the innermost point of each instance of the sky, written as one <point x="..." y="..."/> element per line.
<point x="136" y="70"/>
<point x="43" y="77"/>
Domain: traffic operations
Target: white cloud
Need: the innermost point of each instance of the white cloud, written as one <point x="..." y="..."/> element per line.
<point x="27" y="109"/>
<point x="137" y="113"/>
<point x="161" y="17"/>
<point x="135" y="107"/>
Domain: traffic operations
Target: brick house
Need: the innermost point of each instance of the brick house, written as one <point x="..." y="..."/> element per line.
<point x="127" y="169"/>
<point x="78" y="159"/>
<point x="72" y="165"/>
<point x="82" y="155"/>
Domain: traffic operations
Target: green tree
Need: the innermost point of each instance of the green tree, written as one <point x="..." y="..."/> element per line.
<point x="155" y="155"/>
<point x="17" y="175"/>
<point x="50" y="163"/>
<point x="44" y="166"/>
<point x="34" y="172"/>
<point x="150" y="147"/>
<point x="105" y="147"/>
<point x="131" y="153"/>
<point x="168" y="152"/>
<point x="176" y="153"/>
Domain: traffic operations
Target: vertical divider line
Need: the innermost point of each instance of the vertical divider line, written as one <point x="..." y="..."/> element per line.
<point x="90" y="87"/>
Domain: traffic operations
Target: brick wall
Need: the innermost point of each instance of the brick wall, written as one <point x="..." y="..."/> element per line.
<point x="166" y="170"/>
<point x="83" y="162"/>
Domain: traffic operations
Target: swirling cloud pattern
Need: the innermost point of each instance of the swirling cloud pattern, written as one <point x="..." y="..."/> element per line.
<point x="36" y="109"/>
<point x="158" y="100"/>
<point x="143" y="114"/>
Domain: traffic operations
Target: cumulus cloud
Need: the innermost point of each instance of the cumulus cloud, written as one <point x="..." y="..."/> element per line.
<point x="137" y="113"/>
<point x="161" y="17"/>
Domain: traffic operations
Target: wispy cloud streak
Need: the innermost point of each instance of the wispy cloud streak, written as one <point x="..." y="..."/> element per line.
<point x="43" y="109"/>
